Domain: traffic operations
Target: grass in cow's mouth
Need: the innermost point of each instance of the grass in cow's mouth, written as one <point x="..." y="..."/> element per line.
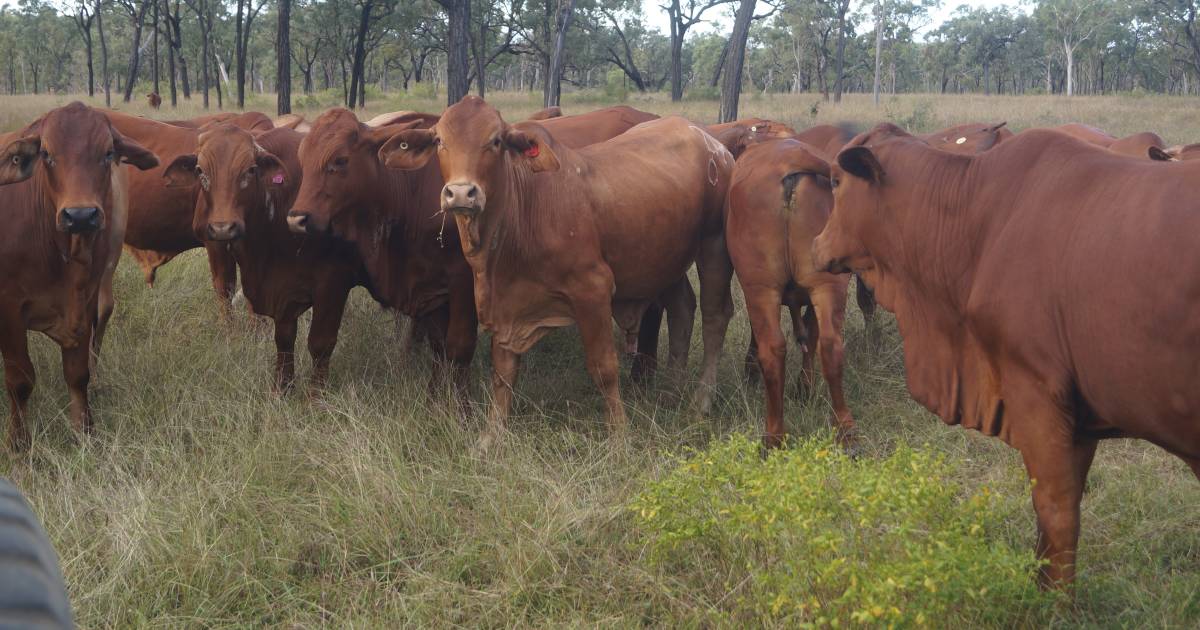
<point x="203" y="500"/>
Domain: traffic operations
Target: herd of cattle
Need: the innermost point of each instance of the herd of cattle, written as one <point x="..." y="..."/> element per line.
<point x="1043" y="282"/>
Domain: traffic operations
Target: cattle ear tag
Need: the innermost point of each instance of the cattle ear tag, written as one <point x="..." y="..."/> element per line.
<point x="277" y="179"/>
<point x="532" y="151"/>
<point x="960" y="141"/>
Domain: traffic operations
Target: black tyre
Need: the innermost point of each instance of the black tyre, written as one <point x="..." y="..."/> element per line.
<point x="32" y="592"/>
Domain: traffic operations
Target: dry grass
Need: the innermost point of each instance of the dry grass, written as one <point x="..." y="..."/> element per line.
<point x="204" y="501"/>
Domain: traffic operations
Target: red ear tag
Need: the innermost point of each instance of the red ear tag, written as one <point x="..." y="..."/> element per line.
<point x="277" y="179"/>
<point x="532" y="151"/>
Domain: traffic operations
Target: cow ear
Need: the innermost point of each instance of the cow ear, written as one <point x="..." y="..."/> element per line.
<point x="998" y="126"/>
<point x="271" y="169"/>
<point x="181" y="172"/>
<point x="861" y="163"/>
<point x="737" y="138"/>
<point x="1161" y="155"/>
<point x="133" y="153"/>
<point x="18" y="159"/>
<point x="408" y="150"/>
<point x="532" y="143"/>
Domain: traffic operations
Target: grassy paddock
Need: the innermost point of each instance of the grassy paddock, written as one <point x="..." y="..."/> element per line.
<point x="205" y="501"/>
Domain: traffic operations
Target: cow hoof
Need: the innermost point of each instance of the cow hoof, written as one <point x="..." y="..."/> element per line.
<point x="489" y="443"/>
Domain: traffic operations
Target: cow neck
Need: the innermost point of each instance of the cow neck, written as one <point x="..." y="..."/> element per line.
<point x="927" y="280"/>
<point x="384" y="229"/>
<point x="519" y="213"/>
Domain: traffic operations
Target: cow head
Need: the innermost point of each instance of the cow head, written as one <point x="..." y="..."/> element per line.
<point x="858" y="180"/>
<point x="476" y="150"/>
<point x="969" y="139"/>
<point x="72" y="150"/>
<point x="340" y="164"/>
<point x="235" y="176"/>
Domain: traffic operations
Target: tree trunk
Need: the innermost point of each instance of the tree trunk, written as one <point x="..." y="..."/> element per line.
<point x="1070" y="54"/>
<point x="283" y="56"/>
<point x="170" y="56"/>
<point x="566" y="12"/>
<point x="458" y="47"/>
<point x="239" y="54"/>
<point x="480" y="46"/>
<point x="731" y="84"/>
<point x="878" y="48"/>
<point x="356" y="63"/>
<point x="840" y="60"/>
<point x="138" y="20"/>
<point x="676" y="52"/>
<point x="154" y="48"/>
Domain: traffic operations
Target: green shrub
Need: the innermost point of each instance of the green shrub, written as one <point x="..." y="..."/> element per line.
<point x="614" y="86"/>
<point x="702" y="92"/>
<point x="811" y="537"/>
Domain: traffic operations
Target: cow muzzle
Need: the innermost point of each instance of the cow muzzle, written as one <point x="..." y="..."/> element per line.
<point x="463" y="198"/>
<point x="303" y="223"/>
<point x="225" y="231"/>
<point x="79" y="220"/>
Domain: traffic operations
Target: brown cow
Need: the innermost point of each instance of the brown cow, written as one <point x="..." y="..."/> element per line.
<point x="392" y="220"/>
<point x="1138" y="145"/>
<point x="1177" y="153"/>
<point x="778" y="202"/>
<point x="65" y="194"/>
<point x="154" y="100"/>
<point x="557" y="236"/>
<point x="1023" y="281"/>
<point x="546" y="113"/>
<point x="160" y="218"/>
<point x="596" y="126"/>
<point x="200" y="121"/>
<point x="249" y="182"/>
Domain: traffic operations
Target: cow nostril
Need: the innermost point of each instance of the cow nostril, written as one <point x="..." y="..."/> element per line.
<point x="448" y="193"/>
<point x="471" y="192"/>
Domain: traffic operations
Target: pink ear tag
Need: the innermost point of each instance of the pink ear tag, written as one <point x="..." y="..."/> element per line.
<point x="532" y="151"/>
<point x="277" y="179"/>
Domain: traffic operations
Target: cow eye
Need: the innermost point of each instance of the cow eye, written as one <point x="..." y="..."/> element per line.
<point x="108" y="157"/>
<point x="834" y="182"/>
<point x="253" y="170"/>
<point x="46" y="158"/>
<point x="496" y="143"/>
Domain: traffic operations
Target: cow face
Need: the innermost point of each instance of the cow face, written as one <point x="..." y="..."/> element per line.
<point x="235" y="175"/>
<point x="72" y="150"/>
<point x="477" y="151"/>
<point x="856" y="177"/>
<point x="340" y="163"/>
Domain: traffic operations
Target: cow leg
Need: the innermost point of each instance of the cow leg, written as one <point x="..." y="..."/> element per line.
<point x="716" y="308"/>
<point x="285" y="351"/>
<point x="593" y="313"/>
<point x="104" y="310"/>
<point x="1058" y="466"/>
<point x="76" y="363"/>
<point x="762" y="306"/>
<point x="505" y="366"/>
<point x="328" y="307"/>
<point x="19" y="379"/>
<point x="462" y="335"/>
<point x="808" y="331"/>
<point x="829" y="302"/>
<point x="645" y="361"/>
<point x="433" y="326"/>
<point x="223" y="269"/>
<point x="750" y="368"/>
<point x="681" y="320"/>
<point x="865" y="298"/>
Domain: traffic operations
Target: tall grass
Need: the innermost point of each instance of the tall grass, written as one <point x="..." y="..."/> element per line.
<point x="204" y="501"/>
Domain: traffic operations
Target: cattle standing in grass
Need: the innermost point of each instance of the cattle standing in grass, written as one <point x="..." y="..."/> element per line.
<point x="160" y="218"/>
<point x="154" y="100"/>
<point x="392" y="220"/>
<point x="557" y="236"/>
<point x="65" y="193"/>
<point x="1028" y="284"/>
<point x="247" y="183"/>
<point x="778" y="202"/>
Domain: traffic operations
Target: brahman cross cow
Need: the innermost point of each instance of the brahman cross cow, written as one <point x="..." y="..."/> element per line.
<point x="247" y="182"/>
<point x="1028" y="284"/>
<point x="557" y="236"/>
<point x="65" y="194"/>
<point x="778" y="202"/>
